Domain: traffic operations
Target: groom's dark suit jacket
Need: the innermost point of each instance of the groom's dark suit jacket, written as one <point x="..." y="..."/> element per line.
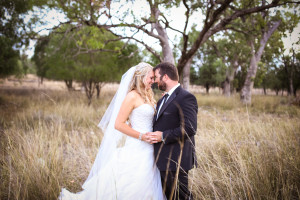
<point x="177" y="120"/>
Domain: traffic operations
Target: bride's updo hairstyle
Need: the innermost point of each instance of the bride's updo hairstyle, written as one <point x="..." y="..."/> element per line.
<point x="138" y="82"/>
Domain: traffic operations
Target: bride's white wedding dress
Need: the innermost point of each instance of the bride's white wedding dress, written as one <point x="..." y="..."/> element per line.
<point x="131" y="172"/>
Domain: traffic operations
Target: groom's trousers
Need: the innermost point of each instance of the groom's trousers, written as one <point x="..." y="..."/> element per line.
<point x="181" y="190"/>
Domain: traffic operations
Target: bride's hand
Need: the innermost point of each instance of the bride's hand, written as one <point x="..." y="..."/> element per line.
<point x="156" y="136"/>
<point x="153" y="137"/>
<point x="147" y="138"/>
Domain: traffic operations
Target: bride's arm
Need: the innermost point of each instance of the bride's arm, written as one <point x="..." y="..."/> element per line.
<point x="127" y="106"/>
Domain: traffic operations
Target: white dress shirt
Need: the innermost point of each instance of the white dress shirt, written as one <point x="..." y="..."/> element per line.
<point x="170" y="93"/>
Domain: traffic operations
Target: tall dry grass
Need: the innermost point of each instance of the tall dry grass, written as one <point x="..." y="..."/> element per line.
<point x="49" y="140"/>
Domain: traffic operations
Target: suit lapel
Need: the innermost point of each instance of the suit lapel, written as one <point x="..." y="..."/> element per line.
<point x="171" y="98"/>
<point x="157" y="107"/>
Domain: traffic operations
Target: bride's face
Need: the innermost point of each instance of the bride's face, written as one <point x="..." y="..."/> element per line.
<point x="149" y="79"/>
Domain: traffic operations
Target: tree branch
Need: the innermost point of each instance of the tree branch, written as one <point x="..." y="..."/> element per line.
<point x="87" y="51"/>
<point x="241" y="13"/>
<point x="187" y="14"/>
<point x="141" y="27"/>
<point x="214" y="45"/>
<point x="168" y="26"/>
<point x="147" y="47"/>
<point x="207" y="26"/>
<point x="184" y="35"/>
<point x="120" y="37"/>
<point x="236" y="30"/>
<point x="209" y="30"/>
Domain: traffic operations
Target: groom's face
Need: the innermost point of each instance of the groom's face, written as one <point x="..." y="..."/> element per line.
<point x="159" y="80"/>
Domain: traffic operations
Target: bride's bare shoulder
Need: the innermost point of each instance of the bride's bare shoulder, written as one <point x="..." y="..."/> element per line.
<point x="133" y="94"/>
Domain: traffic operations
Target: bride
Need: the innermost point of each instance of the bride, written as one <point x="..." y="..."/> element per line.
<point x="124" y="167"/>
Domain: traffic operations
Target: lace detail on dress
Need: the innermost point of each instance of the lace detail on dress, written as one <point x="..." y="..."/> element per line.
<point x="141" y="118"/>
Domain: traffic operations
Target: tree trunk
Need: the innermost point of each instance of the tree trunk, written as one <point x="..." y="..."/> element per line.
<point x="249" y="82"/>
<point x="41" y="81"/>
<point x="209" y="29"/>
<point x="265" y="90"/>
<point x="290" y="77"/>
<point x="98" y="89"/>
<point x="186" y="75"/>
<point x="207" y="88"/>
<point x="69" y="84"/>
<point x="288" y="67"/>
<point x="163" y="37"/>
<point x="89" y="87"/>
<point x="226" y="87"/>
<point x="230" y="72"/>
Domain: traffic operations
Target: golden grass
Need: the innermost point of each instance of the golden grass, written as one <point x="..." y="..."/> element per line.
<point x="49" y="140"/>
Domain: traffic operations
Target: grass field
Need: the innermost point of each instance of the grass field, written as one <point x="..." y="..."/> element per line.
<point x="49" y="140"/>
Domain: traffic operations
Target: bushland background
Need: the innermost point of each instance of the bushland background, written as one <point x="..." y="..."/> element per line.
<point x="49" y="140"/>
<point x="61" y="62"/>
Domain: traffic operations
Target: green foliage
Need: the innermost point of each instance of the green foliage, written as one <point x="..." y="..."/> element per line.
<point x="40" y="56"/>
<point x="28" y="66"/>
<point x="13" y="31"/>
<point x="194" y="76"/>
<point x="278" y="77"/>
<point x="128" y="57"/>
<point x="9" y="36"/>
<point x="11" y="62"/>
<point x="150" y="58"/>
<point x="84" y="54"/>
<point x="8" y="57"/>
<point x="260" y="74"/>
<point x="212" y="72"/>
<point x="290" y="72"/>
<point x="272" y="80"/>
<point x="240" y="78"/>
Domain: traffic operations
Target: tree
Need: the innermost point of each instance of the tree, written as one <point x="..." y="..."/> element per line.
<point x="76" y="55"/>
<point x="195" y="78"/>
<point x="291" y="66"/>
<point x="260" y="75"/>
<point x="233" y="51"/>
<point x="271" y="80"/>
<point x="156" y="24"/>
<point x="255" y="58"/>
<point x="14" y="33"/>
<point x="264" y="24"/>
<point x="9" y="36"/>
<point x="40" y="56"/>
<point x="212" y="71"/>
<point x="8" y="57"/>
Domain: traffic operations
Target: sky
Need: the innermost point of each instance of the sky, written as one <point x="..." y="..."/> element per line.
<point x="52" y="18"/>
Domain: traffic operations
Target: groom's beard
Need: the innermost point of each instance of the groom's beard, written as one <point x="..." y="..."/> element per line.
<point x="162" y="85"/>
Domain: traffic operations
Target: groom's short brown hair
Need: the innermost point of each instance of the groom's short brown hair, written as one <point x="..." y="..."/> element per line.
<point x="169" y="69"/>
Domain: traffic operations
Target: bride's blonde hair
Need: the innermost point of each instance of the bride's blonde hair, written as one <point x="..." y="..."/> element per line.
<point x="139" y="80"/>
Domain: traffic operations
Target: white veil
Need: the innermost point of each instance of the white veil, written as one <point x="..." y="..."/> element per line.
<point x="111" y="135"/>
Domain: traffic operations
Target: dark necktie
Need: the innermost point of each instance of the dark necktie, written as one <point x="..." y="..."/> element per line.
<point x="164" y="99"/>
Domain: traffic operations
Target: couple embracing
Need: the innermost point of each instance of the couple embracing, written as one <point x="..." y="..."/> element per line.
<point x="148" y="148"/>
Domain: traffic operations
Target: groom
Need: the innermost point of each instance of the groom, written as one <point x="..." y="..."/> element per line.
<point x="174" y="126"/>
